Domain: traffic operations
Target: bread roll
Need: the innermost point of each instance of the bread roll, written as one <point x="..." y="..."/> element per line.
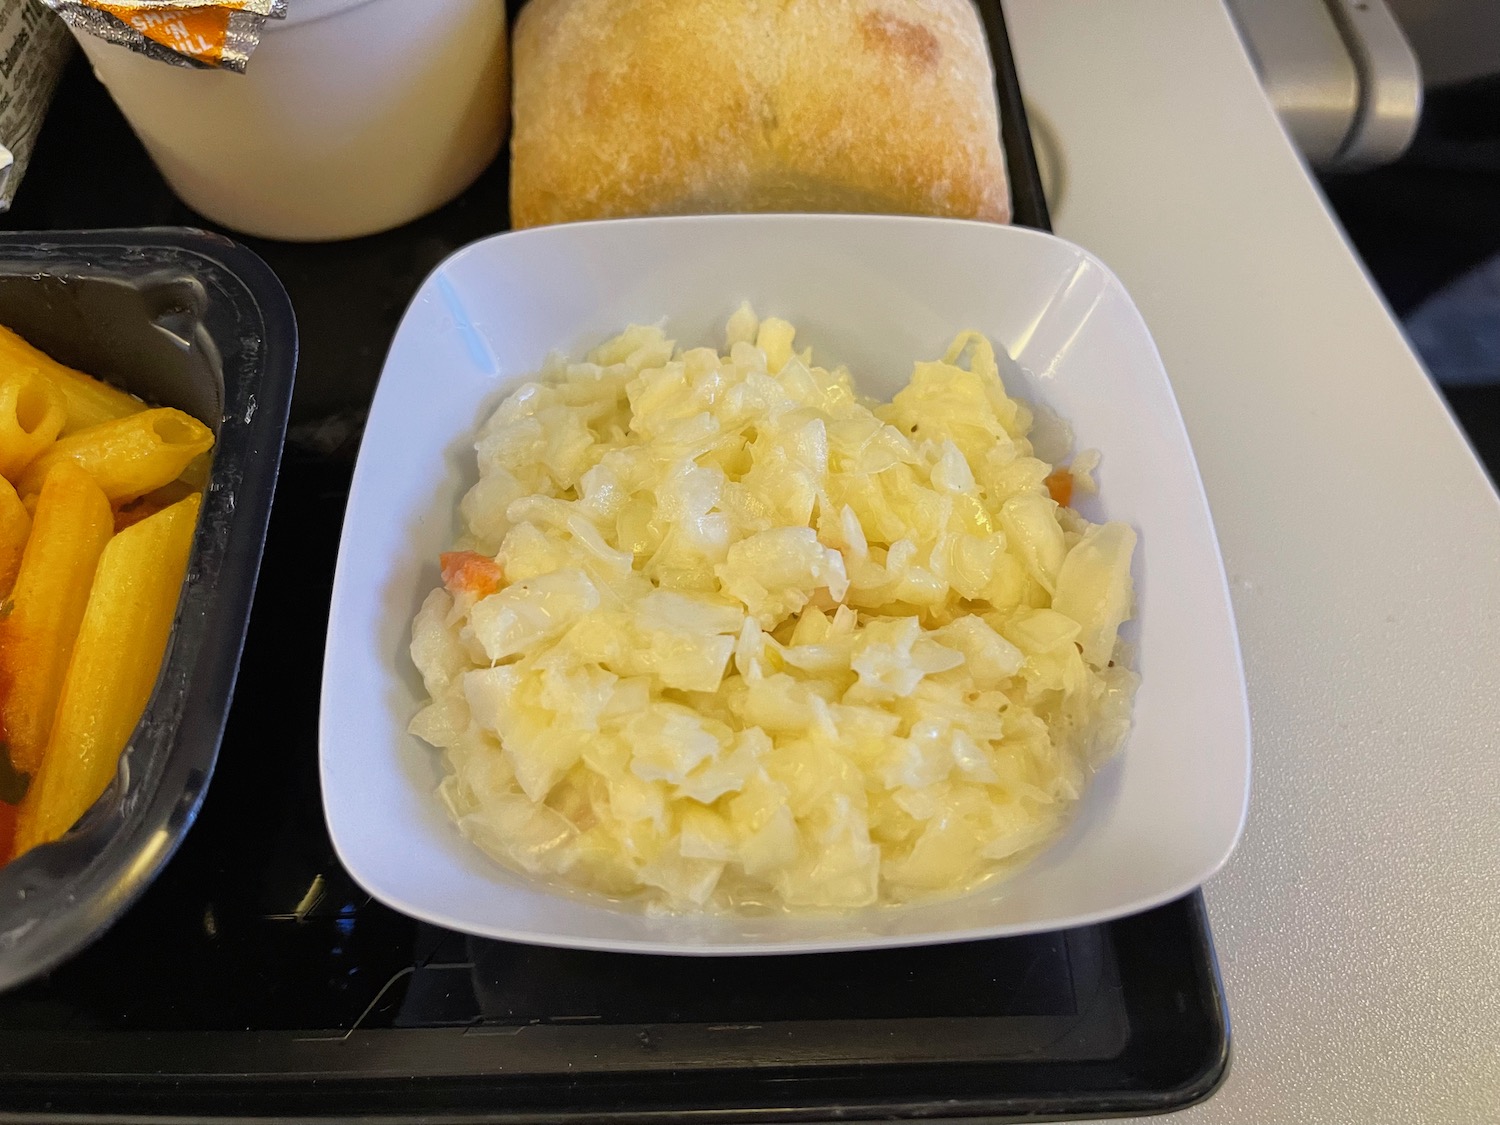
<point x="658" y="107"/>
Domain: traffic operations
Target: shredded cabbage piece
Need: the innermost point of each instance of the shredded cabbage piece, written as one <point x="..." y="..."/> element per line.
<point x="723" y="634"/>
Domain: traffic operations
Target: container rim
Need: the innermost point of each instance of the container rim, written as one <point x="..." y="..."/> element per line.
<point x="59" y="897"/>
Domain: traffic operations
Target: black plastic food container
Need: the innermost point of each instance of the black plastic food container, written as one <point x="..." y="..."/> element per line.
<point x="192" y="320"/>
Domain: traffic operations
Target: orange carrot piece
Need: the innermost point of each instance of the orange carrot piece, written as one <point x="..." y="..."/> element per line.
<point x="469" y="572"/>
<point x="1060" y="487"/>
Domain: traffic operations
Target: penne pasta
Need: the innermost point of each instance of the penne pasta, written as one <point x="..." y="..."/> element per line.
<point x="32" y="414"/>
<point x="128" y="515"/>
<point x="89" y="401"/>
<point x="130" y="456"/>
<point x="73" y="522"/>
<point x="113" y="670"/>
<point x="15" y="527"/>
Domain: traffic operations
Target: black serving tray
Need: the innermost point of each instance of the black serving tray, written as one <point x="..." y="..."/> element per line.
<point x="254" y="978"/>
<point x="184" y="319"/>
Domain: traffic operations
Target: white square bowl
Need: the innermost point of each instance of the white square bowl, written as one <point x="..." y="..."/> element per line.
<point x="876" y="293"/>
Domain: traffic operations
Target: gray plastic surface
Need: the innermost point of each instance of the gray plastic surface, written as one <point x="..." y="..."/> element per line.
<point x="1344" y="81"/>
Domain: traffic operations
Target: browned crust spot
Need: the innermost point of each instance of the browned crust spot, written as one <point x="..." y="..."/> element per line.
<point x="912" y="43"/>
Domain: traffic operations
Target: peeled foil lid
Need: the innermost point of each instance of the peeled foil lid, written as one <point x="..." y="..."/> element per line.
<point x="212" y="34"/>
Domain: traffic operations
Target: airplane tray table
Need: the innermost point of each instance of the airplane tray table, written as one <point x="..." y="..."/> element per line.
<point x="254" y="979"/>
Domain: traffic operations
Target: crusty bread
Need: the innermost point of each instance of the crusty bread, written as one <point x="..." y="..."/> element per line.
<point x="653" y="107"/>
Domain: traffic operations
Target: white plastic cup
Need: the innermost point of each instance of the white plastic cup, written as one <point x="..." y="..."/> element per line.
<point x="353" y="116"/>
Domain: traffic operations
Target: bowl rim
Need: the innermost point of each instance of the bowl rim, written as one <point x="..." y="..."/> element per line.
<point x="372" y="881"/>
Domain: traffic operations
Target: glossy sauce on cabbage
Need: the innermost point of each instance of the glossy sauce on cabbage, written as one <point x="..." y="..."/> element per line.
<point x="722" y="634"/>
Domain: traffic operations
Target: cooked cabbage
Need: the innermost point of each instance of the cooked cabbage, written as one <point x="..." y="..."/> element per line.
<point x="722" y="634"/>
